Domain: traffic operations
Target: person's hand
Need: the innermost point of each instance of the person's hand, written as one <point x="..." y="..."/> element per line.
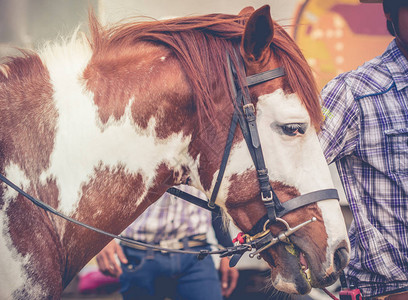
<point x="107" y="262"/>
<point x="229" y="277"/>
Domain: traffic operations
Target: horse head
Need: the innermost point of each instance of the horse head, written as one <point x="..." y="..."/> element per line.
<point x="288" y="118"/>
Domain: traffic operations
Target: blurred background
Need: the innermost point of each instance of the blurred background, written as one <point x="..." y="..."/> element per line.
<point x="335" y="36"/>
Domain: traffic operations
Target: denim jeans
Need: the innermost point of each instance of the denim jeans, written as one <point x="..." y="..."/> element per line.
<point x="148" y="272"/>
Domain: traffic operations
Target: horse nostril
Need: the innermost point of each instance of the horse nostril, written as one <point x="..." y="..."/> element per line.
<point x="340" y="259"/>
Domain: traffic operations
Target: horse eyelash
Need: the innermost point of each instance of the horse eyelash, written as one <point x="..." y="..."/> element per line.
<point x="292" y="129"/>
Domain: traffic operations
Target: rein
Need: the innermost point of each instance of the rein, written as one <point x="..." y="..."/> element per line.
<point x="259" y="238"/>
<point x="201" y="254"/>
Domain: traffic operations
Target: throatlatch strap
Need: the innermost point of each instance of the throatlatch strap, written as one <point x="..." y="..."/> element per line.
<point x="193" y="199"/>
<point x="228" y="145"/>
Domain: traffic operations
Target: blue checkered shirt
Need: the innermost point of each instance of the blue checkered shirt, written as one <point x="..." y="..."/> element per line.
<point x="366" y="134"/>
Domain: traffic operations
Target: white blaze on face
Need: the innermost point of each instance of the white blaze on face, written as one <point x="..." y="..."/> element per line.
<point x="297" y="161"/>
<point x="294" y="160"/>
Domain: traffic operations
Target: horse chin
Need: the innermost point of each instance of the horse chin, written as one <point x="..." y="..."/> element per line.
<point x="289" y="271"/>
<point x="294" y="272"/>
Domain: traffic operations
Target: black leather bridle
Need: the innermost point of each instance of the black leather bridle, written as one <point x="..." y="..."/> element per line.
<point x="244" y="114"/>
<point x="259" y="237"/>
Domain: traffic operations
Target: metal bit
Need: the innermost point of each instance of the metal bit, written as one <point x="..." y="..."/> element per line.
<point x="282" y="237"/>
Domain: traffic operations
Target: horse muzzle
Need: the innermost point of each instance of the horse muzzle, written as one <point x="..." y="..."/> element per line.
<point x="297" y="265"/>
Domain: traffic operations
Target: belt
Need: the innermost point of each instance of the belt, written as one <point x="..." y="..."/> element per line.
<point x="184" y="243"/>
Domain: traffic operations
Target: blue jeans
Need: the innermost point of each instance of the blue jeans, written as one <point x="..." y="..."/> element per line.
<point x="148" y="272"/>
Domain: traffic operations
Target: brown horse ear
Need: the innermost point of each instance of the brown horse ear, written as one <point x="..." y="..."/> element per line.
<point x="258" y="34"/>
<point x="246" y="11"/>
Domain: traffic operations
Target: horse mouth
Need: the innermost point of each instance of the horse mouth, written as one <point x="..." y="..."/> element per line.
<point x="290" y="269"/>
<point x="305" y="274"/>
<point x="305" y="267"/>
<point x="294" y="271"/>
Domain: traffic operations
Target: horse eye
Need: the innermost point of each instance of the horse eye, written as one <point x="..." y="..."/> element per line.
<point x="293" y="129"/>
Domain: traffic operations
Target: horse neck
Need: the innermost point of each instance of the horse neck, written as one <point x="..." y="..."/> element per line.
<point x="132" y="135"/>
<point x="94" y="155"/>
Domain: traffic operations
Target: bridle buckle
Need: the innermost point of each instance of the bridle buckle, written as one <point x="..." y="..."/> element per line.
<point x="267" y="199"/>
<point x="249" y="106"/>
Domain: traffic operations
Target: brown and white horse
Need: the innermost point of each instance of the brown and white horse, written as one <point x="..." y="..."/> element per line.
<point x="97" y="129"/>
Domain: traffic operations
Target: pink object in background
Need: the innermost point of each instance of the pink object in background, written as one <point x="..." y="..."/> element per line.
<point x="95" y="282"/>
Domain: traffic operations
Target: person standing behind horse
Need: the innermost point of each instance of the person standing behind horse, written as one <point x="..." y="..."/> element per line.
<point x="366" y="133"/>
<point x="176" y="224"/>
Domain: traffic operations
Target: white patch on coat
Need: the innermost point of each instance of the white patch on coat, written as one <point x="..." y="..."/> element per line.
<point x="14" y="275"/>
<point x="82" y="143"/>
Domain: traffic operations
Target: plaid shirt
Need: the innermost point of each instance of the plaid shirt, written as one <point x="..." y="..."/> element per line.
<point x="366" y="134"/>
<point x="170" y="218"/>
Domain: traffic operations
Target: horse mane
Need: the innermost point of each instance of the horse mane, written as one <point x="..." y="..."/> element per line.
<point x="299" y="74"/>
<point x="200" y="43"/>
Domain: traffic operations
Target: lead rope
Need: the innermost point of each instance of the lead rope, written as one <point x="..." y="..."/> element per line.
<point x="329" y="294"/>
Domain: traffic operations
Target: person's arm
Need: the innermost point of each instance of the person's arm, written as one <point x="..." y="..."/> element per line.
<point x="340" y="131"/>
<point x="106" y="259"/>
<point x="229" y="276"/>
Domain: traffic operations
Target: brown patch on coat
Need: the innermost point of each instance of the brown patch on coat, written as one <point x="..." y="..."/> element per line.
<point x="27" y="132"/>
<point x="34" y="235"/>
<point x="149" y="76"/>
<point x="210" y="142"/>
<point x="246" y="213"/>
<point x="28" y="115"/>
<point x="108" y="202"/>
